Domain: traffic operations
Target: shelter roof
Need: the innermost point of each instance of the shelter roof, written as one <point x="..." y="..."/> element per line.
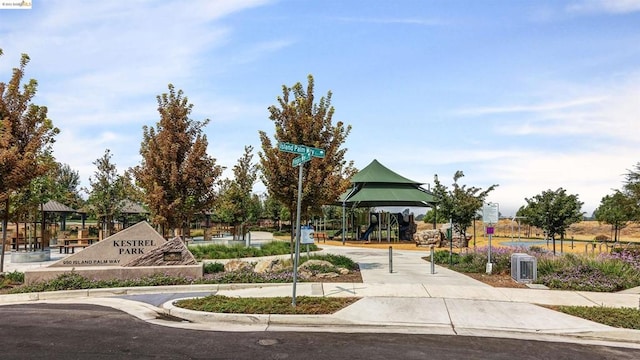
<point x="378" y="186"/>
<point x="378" y="173"/>
<point x="130" y="207"/>
<point x="54" y="206"/>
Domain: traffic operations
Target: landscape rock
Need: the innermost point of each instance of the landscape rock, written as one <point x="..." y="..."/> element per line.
<point x="173" y="252"/>
<point x="237" y="265"/>
<point x="315" y="263"/>
<point x="428" y="237"/>
<point x="327" y="275"/>
<point x="268" y="265"/>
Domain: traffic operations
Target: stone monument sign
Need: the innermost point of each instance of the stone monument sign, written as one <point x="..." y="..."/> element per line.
<point x="118" y="249"/>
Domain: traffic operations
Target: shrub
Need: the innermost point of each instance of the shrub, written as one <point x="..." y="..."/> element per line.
<point x="442" y="257"/>
<point x="247" y="277"/>
<point x="75" y="281"/>
<point x="218" y="251"/>
<point x="213" y="267"/>
<point x="336" y="260"/>
<point x="571" y="272"/>
<point x="15" y="277"/>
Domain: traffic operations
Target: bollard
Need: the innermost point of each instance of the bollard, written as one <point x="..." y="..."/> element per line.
<point x="390" y="259"/>
<point x="433" y="265"/>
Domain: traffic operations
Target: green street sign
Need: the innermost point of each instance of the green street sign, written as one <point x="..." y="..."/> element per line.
<point x="300" y="149"/>
<point x="293" y="148"/>
<point x="315" y="152"/>
<point x="301" y="159"/>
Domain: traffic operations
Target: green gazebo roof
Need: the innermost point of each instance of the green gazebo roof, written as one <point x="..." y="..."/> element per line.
<point x="378" y="186"/>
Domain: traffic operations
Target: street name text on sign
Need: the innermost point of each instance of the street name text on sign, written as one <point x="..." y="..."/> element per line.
<point x="301" y="159"/>
<point x="305" y="152"/>
<point x="293" y="148"/>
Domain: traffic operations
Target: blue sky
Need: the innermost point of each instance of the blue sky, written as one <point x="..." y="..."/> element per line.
<point x="530" y="95"/>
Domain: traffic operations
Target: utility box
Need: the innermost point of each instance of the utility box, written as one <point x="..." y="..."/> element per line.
<point x="524" y="268"/>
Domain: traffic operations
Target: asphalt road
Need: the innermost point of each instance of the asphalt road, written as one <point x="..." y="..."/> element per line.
<point x="50" y="331"/>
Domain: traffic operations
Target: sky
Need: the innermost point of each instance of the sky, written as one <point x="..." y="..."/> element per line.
<point x="529" y="95"/>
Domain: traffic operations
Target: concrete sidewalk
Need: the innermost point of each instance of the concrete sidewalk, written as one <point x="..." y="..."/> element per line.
<point x="409" y="299"/>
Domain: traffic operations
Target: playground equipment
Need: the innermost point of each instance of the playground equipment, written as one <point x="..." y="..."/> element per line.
<point x="377" y="225"/>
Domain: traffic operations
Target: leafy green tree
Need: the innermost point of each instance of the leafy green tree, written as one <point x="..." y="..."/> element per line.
<point x="432" y="216"/>
<point x="461" y="203"/>
<point x="616" y="210"/>
<point x="176" y="173"/>
<point x="26" y="139"/>
<point x="273" y="210"/>
<point x="67" y="182"/>
<point x="106" y="193"/>
<point x="631" y="189"/>
<point x="28" y="203"/>
<point x="131" y="190"/>
<point x="236" y="204"/>
<point x="299" y="119"/>
<point x="553" y="212"/>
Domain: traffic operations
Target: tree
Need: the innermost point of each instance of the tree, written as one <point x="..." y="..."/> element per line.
<point x="273" y="210"/>
<point x="430" y="217"/>
<point x="236" y="204"/>
<point x="631" y="189"/>
<point x="68" y="181"/>
<point x="461" y="203"/>
<point x="107" y="192"/>
<point x="553" y="212"/>
<point x="29" y="201"/>
<point x="300" y="120"/>
<point x="26" y="138"/>
<point x="176" y="173"/>
<point x="131" y="190"/>
<point x="615" y="210"/>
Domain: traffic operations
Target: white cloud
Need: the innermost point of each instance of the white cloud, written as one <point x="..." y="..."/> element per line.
<point x="406" y="21"/>
<point x="613" y="113"/>
<point x="604" y="6"/>
<point x="260" y="50"/>
<point x="545" y="107"/>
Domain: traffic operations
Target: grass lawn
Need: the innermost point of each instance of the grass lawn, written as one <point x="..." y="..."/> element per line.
<point x="305" y="305"/>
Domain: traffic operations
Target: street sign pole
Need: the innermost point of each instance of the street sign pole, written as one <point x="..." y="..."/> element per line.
<point x="297" y="245"/>
<point x="305" y="153"/>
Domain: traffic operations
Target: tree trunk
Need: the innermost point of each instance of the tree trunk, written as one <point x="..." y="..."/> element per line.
<point x="5" y="222"/>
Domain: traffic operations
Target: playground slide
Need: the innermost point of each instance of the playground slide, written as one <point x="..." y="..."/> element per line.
<point x="368" y="232"/>
<point x="336" y="234"/>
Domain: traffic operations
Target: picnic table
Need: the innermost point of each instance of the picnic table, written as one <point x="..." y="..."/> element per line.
<point x="70" y="245"/>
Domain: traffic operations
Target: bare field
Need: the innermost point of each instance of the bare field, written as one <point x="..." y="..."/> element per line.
<point x="585" y="230"/>
<point x="507" y="231"/>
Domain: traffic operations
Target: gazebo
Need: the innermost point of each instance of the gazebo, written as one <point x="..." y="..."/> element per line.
<point x="129" y="208"/>
<point x="53" y="206"/>
<point x="378" y="186"/>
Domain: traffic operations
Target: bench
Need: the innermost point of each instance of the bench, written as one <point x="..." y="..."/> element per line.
<point x="68" y="247"/>
<point x="317" y="236"/>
